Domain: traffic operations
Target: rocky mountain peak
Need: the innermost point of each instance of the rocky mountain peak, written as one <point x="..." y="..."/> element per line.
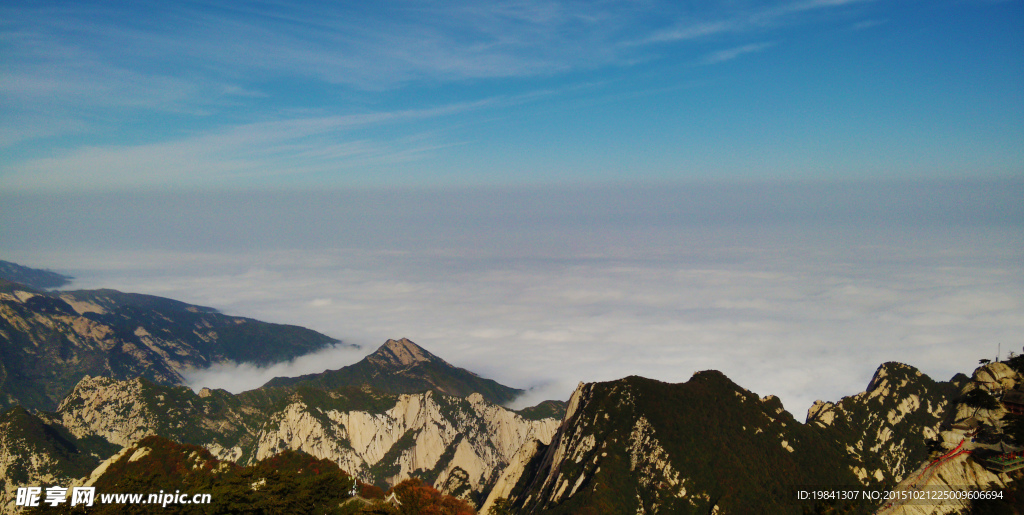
<point x="401" y="366"/>
<point x="994" y="374"/>
<point x="401" y="353"/>
<point x="886" y="429"/>
<point x="51" y="340"/>
<point x="891" y="373"/>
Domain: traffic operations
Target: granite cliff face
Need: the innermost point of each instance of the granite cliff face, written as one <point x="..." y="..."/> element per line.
<point x="51" y="340"/>
<point x="460" y="444"/>
<point x="641" y="446"/>
<point x="970" y="434"/>
<point x="628" y="446"/>
<point x="885" y="430"/>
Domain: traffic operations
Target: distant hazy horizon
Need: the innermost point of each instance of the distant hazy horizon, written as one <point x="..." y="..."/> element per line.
<point x="790" y="289"/>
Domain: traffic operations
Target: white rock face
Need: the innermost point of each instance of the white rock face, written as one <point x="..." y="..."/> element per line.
<point x="108" y="408"/>
<point x="82" y="307"/>
<point x="358" y="441"/>
<point x="29" y="459"/>
<point x="402" y="353"/>
<point x="822" y="412"/>
<point x="893" y="409"/>
<point x="955" y="474"/>
<point x="995" y="375"/>
<point x="649" y="460"/>
<point x="994" y="378"/>
<point x="565" y="445"/>
<point x="988" y="417"/>
<point x="101" y="469"/>
<point x="963" y="471"/>
<point x="908" y="404"/>
<point x="510" y="476"/>
<point x="421" y="433"/>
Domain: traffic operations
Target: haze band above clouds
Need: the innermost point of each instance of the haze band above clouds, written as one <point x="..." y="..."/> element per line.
<point x="794" y="290"/>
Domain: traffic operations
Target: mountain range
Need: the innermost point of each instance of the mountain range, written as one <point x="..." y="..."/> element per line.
<point x="51" y="340"/>
<point x="633" y="445"/>
<point x="31" y="277"/>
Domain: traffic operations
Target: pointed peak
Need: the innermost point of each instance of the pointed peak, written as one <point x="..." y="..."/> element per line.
<point x="887" y="370"/>
<point x="402" y="352"/>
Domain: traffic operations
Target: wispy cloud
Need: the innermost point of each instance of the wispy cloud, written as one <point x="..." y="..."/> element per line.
<point x="741" y="20"/>
<point x="46" y="66"/>
<point x="283" y="147"/>
<point x="173" y="80"/>
<point x="340" y="43"/>
<point x="867" y="24"/>
<point x="692" y="30"/>
<point x="732" y="53"/>
<point x="91" y="53"/>
<point x="239" y="377"/>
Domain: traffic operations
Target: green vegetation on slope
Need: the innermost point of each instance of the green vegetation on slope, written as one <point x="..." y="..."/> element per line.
<point x="47" y="448"/>
<point x="381" y="373"/>
<point x="729" y="449"/>
<point x="291" y="482"/>
<point x="858" y="419"/>
<point x="546" y="409"/>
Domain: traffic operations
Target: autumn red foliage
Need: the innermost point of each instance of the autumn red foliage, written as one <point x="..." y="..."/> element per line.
<point x="368" y="491"/>
<point x="420" y="499"/>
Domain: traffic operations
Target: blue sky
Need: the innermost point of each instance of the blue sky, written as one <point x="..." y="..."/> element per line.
<point x="156" y="95"/>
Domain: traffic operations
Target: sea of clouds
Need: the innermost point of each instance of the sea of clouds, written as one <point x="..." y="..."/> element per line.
<point x="801" y="296"/>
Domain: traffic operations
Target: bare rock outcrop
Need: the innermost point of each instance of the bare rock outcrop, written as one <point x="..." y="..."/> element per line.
<point x="886" y="428"/>
<point x="462" y="445"/>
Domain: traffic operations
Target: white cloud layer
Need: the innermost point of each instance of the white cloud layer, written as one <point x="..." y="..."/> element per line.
<point x="798" y="329"/>
<point x="239" y="377"/>
<point x="803" y="304"/>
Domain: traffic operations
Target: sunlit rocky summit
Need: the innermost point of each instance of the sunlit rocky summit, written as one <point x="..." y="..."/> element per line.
<point x="401" y="354"/>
